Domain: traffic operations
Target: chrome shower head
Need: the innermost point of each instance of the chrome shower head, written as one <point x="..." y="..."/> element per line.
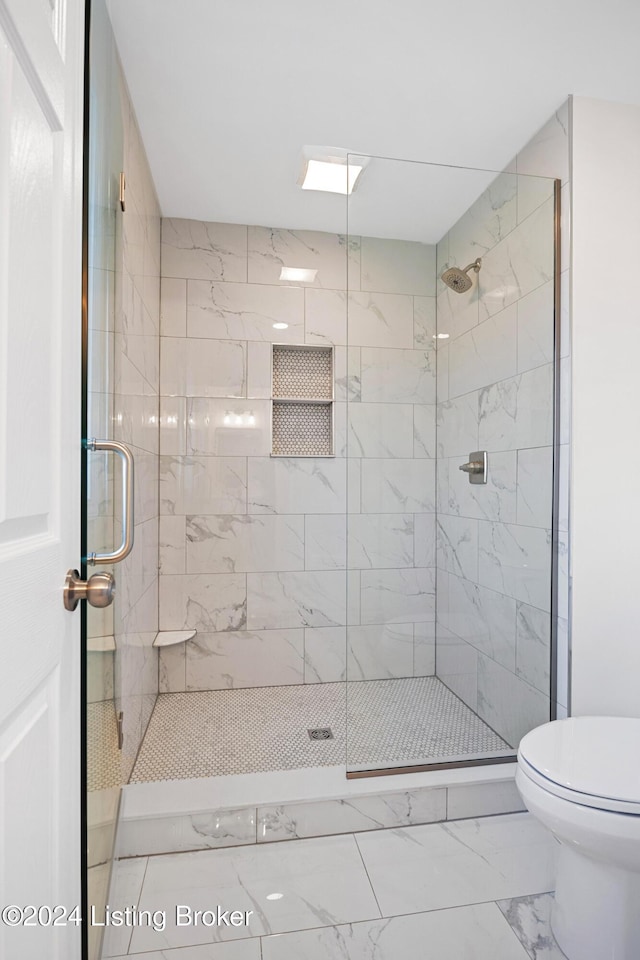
<point x="459" y="280"/>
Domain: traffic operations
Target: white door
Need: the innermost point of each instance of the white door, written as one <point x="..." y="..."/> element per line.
<point x="41" y="100"/>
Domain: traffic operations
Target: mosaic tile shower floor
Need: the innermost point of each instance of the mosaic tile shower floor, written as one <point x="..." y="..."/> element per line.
<point x="390" y="723"/>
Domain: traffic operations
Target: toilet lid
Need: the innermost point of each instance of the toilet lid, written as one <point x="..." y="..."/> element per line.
<point x="598" y="757"/>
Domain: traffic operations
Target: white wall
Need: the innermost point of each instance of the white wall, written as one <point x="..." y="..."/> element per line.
<point x="605" y="488"/>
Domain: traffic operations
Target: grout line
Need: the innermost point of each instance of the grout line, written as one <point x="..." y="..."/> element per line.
<point x="375" y="896"/>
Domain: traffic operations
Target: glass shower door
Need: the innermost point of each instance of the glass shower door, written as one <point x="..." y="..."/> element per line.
<point x="101" y="527"/>
<point x="450" y="445"/>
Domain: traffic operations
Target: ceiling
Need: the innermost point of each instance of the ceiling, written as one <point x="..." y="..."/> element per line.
<point x="227" y="92"/>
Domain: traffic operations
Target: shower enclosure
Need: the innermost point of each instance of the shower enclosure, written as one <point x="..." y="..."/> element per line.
<point x="344" y="548"/>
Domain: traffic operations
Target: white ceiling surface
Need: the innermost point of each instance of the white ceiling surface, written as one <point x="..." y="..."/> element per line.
<point x="227" y="92"/>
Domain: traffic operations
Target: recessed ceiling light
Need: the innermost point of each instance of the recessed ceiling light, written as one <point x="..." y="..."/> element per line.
<point x="298" y="274"/>
<point x="275" y="896"/>
<point x="280" y="326"/>
<point x="441" y="336"/>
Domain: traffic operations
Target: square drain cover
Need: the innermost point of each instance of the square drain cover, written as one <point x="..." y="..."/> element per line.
<point x="320" y="733"/>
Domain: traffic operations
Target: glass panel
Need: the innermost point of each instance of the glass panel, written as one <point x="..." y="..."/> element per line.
<point x="451" y="358"/>
<point x="105" y="163"/>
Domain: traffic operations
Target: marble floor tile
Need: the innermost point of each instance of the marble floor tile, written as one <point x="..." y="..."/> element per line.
<point x="232" y="950"/>
<point x="461" y="862"/>
<point x="322" y="882"/>
<point x="465" y="933"/>
<point x="530" y="919"/>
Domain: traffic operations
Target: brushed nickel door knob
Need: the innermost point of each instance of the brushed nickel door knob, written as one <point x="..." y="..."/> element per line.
<point x="99" y="590"/>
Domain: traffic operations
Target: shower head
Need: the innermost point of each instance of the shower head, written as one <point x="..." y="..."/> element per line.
<point x="459" y="280"/>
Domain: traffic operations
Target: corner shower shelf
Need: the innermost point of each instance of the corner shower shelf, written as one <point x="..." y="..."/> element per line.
<point x="168" y="638"/>
<point x="101" y="644"/>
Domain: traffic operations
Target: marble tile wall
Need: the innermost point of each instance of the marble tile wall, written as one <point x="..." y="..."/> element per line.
<point x="495" y="393"/>
<point x="318" y="566"/>
<point x="136" y="423"/>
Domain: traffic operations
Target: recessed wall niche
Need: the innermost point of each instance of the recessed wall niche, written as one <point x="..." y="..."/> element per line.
<point x="301" y="401"/>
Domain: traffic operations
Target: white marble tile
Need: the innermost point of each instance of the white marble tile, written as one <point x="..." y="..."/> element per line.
<point x="458" y="312"/>
<point x="397" y="596"/>
<point x="424" y="321"/>
<point x="380" y="540"/>
<point x="206" y="602"/>
<point x="535" y="487"/>
<point x="308" y="599"/>
<point x="484" y="354"/>
<point x="495" y="500"/>
<point x="533" y="646"/>
<point x="244" y="543"/>
<point x="398" y="376"/>
<point x="397" y="266"/>
<point x="380" y="320"/>
<point x="482" y="617"/>
<point x="171" y="678"/>
<point x="563" y="657"/>
<point x="173" y="426"/>
<point x="224" y="428"/>
<point x="476" y="931"/>
<point x="457" y="426"/>
<point x="380" y="652"/>
<point x="231" y="950"/>
<point x="202" y="368"/>
<point x="424" y="649"/>
<point x="325" y="316"/>
<point x="325" y="542"/>
<point x="457" y="663"/>
<point x="518" y="412"/>
<point x="325" y="654"/>
<point x="271" y="249"/>
<point x="442" y="371"/>
<point x="293" y="821"/>
<point x="354" y="485"/>
<point x="124" y="890"/>
<point x="424" y="431"/>
<point x="197" y="250"/>
<point x="244" y="311"/>
<point x="258" y="369"/>
<point x="457" y="546"/>
<point x="398" y="486"/>
<point x="347" y="374"/>
<point x="380" y="430"/>
<point x="516" y="561"/>
<point x="483" y="799"/>
<point x="296" y="486"/>
<point x="450" y="864"/>
<point x="173" y="307"/>
<point x="530" y="920"/>
<point x="519" y="263"/>
<point x="322" y="881"/>
<point x="354" y="590"/>
<point x="171" y="542"/>
<point x="507" y="703"/>
<point x="196" y="831"/>
<point x="424" y="543"/>
<point x="565" y="400"/>
<point x="218" y="661"/>
<point x="442" y="261"/>
<point x="487" y="221"/>
<point x="536" y="328"/>
<point x="203" y="485"/>
<point x="564" y="459"/>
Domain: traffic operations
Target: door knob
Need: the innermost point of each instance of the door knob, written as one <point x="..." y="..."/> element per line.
<point x="99" y="590"/>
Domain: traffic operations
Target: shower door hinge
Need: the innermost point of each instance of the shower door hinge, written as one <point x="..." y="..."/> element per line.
<point x="122" y="189"/>
<point x="120" y="733"/>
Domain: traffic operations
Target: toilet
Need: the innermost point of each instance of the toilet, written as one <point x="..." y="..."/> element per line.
<point x="580" y="777"/>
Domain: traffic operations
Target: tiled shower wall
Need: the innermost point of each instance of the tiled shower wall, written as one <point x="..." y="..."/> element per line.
<point x="254" y="549"/>
<point x="136" y="415"/>
<point x="495" y="393"/>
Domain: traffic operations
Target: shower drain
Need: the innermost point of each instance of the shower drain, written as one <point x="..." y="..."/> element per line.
<point x="320" y="733"/>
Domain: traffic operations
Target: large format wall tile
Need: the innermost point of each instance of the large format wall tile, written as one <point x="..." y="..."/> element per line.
<point x="380" y="651"/>
<point x="291" y="485"/>
<point x="398" y="486"/>
<point x="381" y="540"/>
<point x="325" y="654"/>
<point x="207" y="603"/>
<point x="204" y="251"/>
<point x="397" y="266"/>
<point x="244" y="311"/>
<point x="518" y="412"/>
<point x="271" y="249"/>
<point x="380" y="320"/>
<point x="397" y="596"/>
<point x="380" y="430"/>
<point x="516" y="561"/>
<point x="260" y="658"/>
<point x="398" y="376"/>
<point x="244" y="543"/>
<point x="309" y="599"/>
<point x="485" y="354"/>
<point x="508" y="704"/>
<point x="202" y="368"/>
<point x="203" y="485"/>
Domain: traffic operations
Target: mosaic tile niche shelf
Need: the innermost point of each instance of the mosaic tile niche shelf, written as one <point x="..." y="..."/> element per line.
<point x="301" y="401"/>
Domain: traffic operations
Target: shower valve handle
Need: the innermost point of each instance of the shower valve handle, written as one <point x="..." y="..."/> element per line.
<point x="474" y="466"/>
